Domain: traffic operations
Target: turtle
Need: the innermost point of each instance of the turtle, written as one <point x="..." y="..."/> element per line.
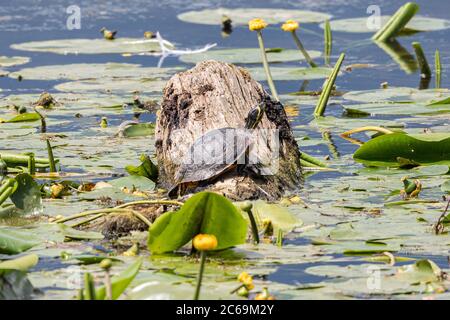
<point x="216" y="152"/>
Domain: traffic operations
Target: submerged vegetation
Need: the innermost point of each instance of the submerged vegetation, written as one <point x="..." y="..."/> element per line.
<point x="84" y="213"/>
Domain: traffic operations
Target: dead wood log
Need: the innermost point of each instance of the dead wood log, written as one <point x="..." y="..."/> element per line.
<point x="215" y="95"/>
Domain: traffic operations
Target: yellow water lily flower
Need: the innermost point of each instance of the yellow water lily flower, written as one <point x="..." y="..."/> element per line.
<point x="257" y="24"/>
<point x="290" y="26"/>
<point x="205" y="242"/>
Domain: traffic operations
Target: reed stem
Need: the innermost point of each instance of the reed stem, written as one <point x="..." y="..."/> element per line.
<point x="397" y="22"/>
<point x="328" y="42"/>
<point x="422" y="61"/>
<point x="51" y="158"/>
<point x="437" y="68"/>
<point x="328" y="86"/>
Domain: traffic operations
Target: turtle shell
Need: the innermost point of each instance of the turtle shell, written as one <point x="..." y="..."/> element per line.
<point x="214" y="153"/>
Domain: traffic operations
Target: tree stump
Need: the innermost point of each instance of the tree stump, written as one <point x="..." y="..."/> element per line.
<point x="215" y="95"/>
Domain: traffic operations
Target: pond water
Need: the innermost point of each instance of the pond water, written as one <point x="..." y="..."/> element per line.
<point x="346" y="206"/>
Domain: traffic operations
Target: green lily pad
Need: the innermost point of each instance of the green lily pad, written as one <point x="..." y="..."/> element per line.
<point x="139" y="130"/>
<point x="280" y="216"/>
<point x="205" y="212"/>
<point x="247" y="55"/>
<point x="422" y="271"/>
<point x="13" y="61"/>
<point x="133" y="181"/>
<point x="13" y="241"/>
<point x="23" y="263"/>
<point x="89" y="71"/>
<point x="445" y="187"/>
<point x="398" y="95"/>
<point x="27" y="197"/>
<point x="292" y="73"/>
<point x="425" y="149"/>
<point x="359" y="25"/>
<point x="93" y="259"/>
<point x="89" y="46"/>
<point x="396" y="108"/>
<point x="75" y="234"/>
<point x="24" y="117"/>
<point x="241" y="16"/>
<point x="117" y="86"/>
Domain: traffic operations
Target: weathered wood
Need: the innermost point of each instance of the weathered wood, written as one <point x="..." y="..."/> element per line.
<point x="215" y="95"/>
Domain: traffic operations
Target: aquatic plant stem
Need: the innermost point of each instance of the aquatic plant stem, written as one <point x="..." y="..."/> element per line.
<point x="254" y="226"/>
<point x="437" y="68"/>
<point x="5" y="194"/>
<point x="366" y="128"/>
<point x="327" y="87"/>
<point x="108" y="286"/>
<point x="87" y="220"/>
<point x="200" y="274"/>
<point x="312" y="160"/>
<point x="328" y="42"/>
<point x="90" y="212"/>
<point x="273" y="90"/>
<point x="422" y="60"/>
<point x="397" y="22"/>
<point x="51" y="158"/>
<point x="303" y="50"/>
<point x="89" y="288"/>
<point x="166" y="202"/>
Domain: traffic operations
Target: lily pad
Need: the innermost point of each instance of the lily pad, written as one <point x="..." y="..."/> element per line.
<point x="425" y="149"/>
<point x="139" y="130"/>
<point x="75" y="234"/>
<point x="23" y="263"/>
<point x="292" y="73"/>
<point x="247" y="55"/>
<point x="13" y="61"/>
<point x="117" y="86"/>
<point x="90" y="46"/>
<point x="13" y="241"/>
<point x="205" y="212"/>
<point x="27" y="197"/>
<point x="241" y="16"/>
<point x="359" y="25"/>
<point x="85" y="71"/>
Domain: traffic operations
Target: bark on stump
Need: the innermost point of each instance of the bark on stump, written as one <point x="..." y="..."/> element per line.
<point x="215" y="95"/>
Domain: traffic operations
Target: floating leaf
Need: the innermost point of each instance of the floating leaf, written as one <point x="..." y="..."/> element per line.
<point x="247" y="55"/>
<point x="92" y="259"/>
<point x="146" y="169"/>
<point x="139" y="130"/>
<point x="90" y="46"/>
<point x="85" y="71"/>
<point x="445" y="187"/>
<point x="75" y="234"/>
<point x="120" y="282"/>
<point x="422" y="271"/>
<point x="243" y="15"/>
<point x="23" y="263"/>
<point x="280" y="216"/>
<point x="134" y="181"/>
<point x="24" y="117"/>
<point x="424" y="149"/>
<point x="13" y="61"/>
<point x="27" y="197"/>
<point x="114" y="85"/>
<point x="360" y="25"/>
<point x="205" y="212"/>
<point x="15" y="241"/>
<point x="295" y="73"/>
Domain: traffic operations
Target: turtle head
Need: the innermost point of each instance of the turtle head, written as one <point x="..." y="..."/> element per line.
<point x="255" y="115"/>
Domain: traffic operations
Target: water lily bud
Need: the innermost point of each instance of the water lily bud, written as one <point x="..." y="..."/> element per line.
<point x="243" y="292"/>
<point x="290" y="26"/>
<point x="246" y="206"/>
<point x="104" y="122"/>
<point x="205" y="242"/>
<point x="257" y="24"/>
<point x="106" y="264"/>
<point x="264" y="295"/>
